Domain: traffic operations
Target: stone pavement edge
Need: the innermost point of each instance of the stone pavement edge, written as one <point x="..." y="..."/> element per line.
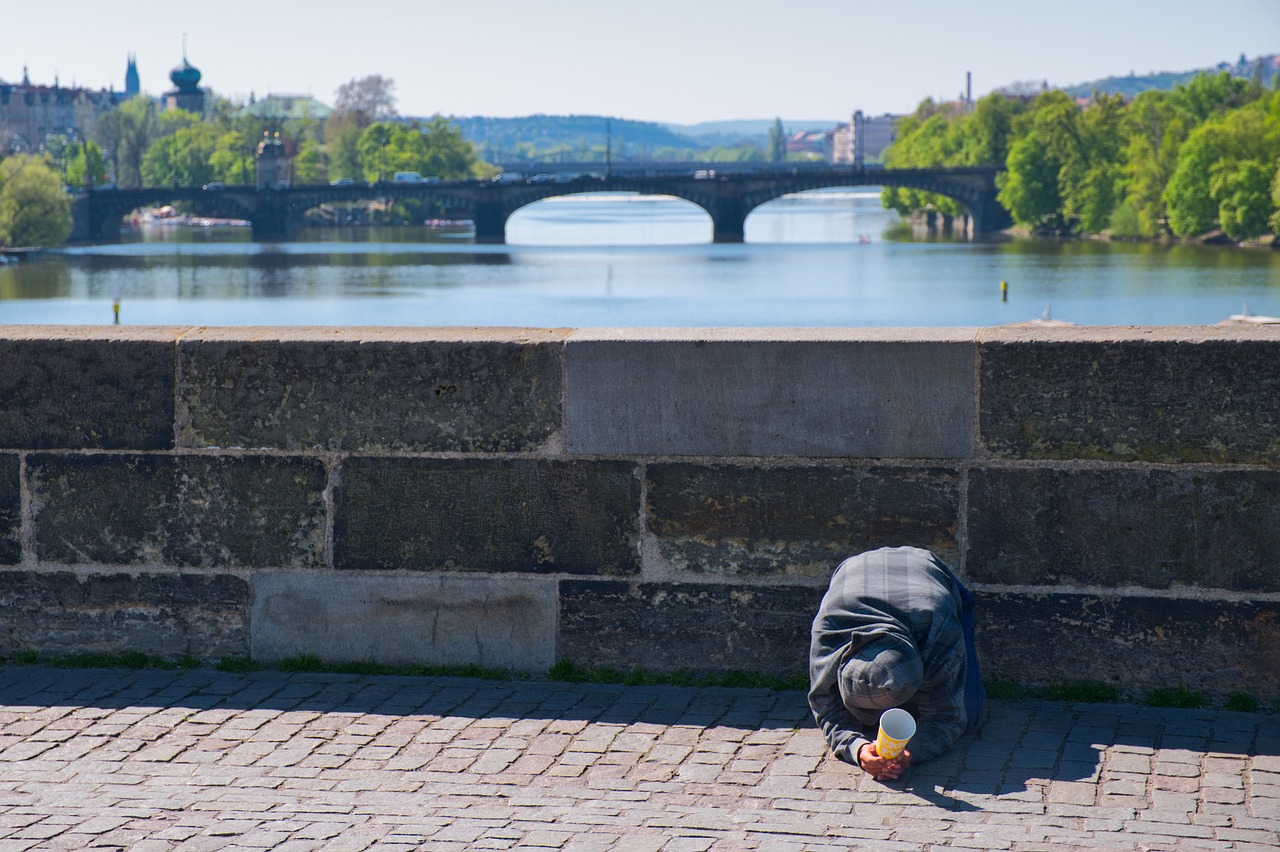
<point x="205" y="760"/>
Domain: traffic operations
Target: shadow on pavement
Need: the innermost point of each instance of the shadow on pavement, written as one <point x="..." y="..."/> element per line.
<point x="1027" y="745"/>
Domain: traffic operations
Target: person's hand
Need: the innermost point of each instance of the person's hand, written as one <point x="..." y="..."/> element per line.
<point x="881" y="768"/>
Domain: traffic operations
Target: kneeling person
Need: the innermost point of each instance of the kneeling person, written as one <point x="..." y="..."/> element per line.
<point x="895" y="629"/>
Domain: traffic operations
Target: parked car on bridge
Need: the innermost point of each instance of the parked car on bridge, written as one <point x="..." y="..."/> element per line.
<point x="409" y="177"/>
<point x="213" y="186"/>
<point x="342" y="182"/>
<point x="508" y="177"/>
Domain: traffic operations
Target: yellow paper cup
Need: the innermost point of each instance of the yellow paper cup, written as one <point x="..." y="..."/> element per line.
<point x="896" y="728"/>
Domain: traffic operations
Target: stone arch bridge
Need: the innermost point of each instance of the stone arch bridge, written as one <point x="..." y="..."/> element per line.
<point x="728" y="197"/>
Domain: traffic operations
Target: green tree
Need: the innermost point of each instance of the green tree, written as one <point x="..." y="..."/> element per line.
<point x="308" y="163"/>
<point x="1219" y="164"/>
<point x="231" y="160"/>
<point x="374" y="151"/>
<point x="1050" y="138"/>
<point x="988" y="131"/>
<point x="125" y="134"/>
<point x="181" y="159"/>
<point x="1274" y="221"/>
<point x="84" y="165"/>
<point x="342" y="137"/>
<point x="1090" y="178"/>
<point x="34" y="209"/>
<point x="1244" y="199"/>
<point x="1207" y="95"/>
<point x="448" y="154"/>
<point x="1029" y="189"/>
<point x="932" y="138"/>
<point x="777" y="142"/>
<point x="1155" y="129"/>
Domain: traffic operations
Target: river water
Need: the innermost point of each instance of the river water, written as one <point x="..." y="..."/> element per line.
<point x="831" y="258"/>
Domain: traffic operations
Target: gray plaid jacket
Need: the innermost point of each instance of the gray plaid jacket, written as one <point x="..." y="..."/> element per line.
<point x="910" y="593"/>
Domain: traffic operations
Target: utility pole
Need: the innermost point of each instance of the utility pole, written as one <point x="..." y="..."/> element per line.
<point x="608" y="148"/>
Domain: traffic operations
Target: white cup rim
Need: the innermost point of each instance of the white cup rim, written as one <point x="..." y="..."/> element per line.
<point x="897" y="724"/>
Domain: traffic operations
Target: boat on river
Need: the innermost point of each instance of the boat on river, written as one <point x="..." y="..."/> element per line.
<point x="1247" y="317"/>
<point x="1045" y="320"/>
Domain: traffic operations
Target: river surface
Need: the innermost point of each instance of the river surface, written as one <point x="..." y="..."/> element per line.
<point x="831" y="258"/>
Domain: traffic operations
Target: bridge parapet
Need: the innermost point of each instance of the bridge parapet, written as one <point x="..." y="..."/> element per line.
<point x="652" y="499"/>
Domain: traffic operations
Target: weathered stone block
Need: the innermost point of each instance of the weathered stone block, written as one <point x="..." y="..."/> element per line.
<point x="347" y="389"/>
<point x="168" y="615"/>
<point x="701" y="629"/>
<point x="10" y="510"/>
<point x="1117" y="527"/>
<point x="813" y="393"/>
<point x="1151" y="396"/>
<point x="487" y="515"/>
<point x="101" y="390"/>
<point x="497" y="622"/>
<point x="1137" y="643"/>
<point x="800" y="521"/>
<point x="223" y="511"/>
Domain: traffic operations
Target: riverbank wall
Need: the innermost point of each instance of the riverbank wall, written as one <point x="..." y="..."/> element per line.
<point x="665" y="500"/>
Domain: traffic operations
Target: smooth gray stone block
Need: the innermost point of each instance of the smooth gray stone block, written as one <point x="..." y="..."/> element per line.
<point x="1133" y="642"/>
<point x="1156" y="395"/>
<point x="698" y="628"/>
<point x="167" y="615"/>
<point x="212" y="511"/>
<point x="1154" y="528"/>
<point x="797" y="520"/>
<point x="496" y="622"/>
<point x="464" y="390"/>
<point x="489" y="515"/>
<point x="10" y="510"/>
<point x="812" y="393"/>
<point x="87" y="389"/>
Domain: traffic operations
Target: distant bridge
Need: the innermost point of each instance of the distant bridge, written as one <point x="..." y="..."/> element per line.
<point x="727" y="196"/>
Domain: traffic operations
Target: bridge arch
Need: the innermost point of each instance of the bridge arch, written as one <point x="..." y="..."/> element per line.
<point x="630" y="219"/>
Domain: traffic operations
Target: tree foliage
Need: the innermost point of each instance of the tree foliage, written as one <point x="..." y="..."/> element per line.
<point x="436" y="148"/>
<point x="777" y="142"/>
<point x="34" y="209"/>
<point x="125" y="134"/>
<point x="1201" y="157"/>
<point x="83" y="165"/>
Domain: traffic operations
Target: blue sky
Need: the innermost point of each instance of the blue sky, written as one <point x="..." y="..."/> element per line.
<point x="658" y="60"/>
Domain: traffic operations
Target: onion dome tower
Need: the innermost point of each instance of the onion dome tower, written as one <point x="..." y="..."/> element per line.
<point x="186" y="93"/>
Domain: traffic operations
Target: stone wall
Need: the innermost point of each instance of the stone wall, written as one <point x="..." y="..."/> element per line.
<point x="665" y="499"/>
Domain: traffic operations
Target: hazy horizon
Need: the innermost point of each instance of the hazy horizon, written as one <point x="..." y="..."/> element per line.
<point x="675" y="63"/>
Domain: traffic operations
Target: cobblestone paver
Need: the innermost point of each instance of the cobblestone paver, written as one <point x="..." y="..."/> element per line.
<point x="203" y="760"/>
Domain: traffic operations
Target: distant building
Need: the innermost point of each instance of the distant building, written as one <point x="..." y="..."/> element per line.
<point x="871" y="136"/>
<point x="808" y="142"/>
<point x="132" y="87"/>
<point x="30" y="112"/>
<point x="840" y="148"/>
<point x="186" y="93"/>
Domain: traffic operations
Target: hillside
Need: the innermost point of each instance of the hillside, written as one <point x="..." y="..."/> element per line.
<point x="1134" y="84"/>
<point x="568" y="137"/>
<point x="583" y="138"/>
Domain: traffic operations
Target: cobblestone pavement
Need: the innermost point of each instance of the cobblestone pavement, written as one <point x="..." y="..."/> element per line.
<point x="194" y="760"/>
